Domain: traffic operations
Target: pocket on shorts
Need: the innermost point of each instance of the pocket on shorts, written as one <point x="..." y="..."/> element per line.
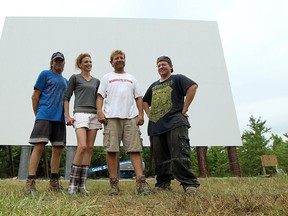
<point x="140" y="138"/>
<point x="106" y="138"/>
<point x="185" y="145"/>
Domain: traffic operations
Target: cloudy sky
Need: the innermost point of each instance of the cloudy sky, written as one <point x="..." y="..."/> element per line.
<point x="254" y="37"/>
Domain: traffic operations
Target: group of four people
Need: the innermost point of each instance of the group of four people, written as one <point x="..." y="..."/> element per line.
<point x="117" y="103"/>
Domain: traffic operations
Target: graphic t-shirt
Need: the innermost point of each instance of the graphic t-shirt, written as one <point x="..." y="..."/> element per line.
<point x="119" y="92"/>
<point x="166" y="100"/>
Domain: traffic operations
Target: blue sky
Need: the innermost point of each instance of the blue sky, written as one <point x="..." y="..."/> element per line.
<point x="254" y="37"/>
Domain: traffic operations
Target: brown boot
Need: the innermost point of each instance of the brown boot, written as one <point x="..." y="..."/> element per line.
<point x="142" y="187"/>
<point x="30" y="186"/>
<point x="114" y="190"/>
<point x="54" y="185"/>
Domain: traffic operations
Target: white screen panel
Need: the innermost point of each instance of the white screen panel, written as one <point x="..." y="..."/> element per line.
<point x="27" y="44"/>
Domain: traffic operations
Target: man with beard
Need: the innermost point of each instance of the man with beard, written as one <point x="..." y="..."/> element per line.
<point x="48" y="107"/>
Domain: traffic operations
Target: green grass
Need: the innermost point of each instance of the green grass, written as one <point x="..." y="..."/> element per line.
<point x="215" y="196"/>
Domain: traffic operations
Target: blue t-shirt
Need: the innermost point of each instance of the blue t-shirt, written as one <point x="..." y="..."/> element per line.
<point x="51" y="103"/>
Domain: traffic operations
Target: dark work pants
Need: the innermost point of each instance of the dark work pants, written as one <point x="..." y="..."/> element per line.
<point x="171" y="153"/>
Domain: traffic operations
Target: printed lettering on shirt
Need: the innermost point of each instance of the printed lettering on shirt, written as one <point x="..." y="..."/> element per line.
<point x="120" y="80"/>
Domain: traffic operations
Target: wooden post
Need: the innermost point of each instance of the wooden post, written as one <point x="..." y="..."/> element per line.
<point x="202" y="161"/>
<point x="233" y="161"/>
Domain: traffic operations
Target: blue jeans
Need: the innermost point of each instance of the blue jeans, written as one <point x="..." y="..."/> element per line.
<point x="171" y="153"/>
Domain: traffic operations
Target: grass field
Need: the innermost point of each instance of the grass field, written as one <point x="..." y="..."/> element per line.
<point x="215" y="196"/>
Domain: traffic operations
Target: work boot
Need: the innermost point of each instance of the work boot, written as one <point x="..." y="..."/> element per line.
<point x="54" y="185"/>
<point x="142" y="187"/>
<point x="82" y="180"/>
<point x="114" y="188"/>
<point x="30" y="186"/>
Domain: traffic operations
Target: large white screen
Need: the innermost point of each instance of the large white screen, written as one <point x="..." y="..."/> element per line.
<point x="27" y="44"/>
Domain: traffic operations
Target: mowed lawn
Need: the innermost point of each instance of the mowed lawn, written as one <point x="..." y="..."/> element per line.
<point x="215" y="196"/>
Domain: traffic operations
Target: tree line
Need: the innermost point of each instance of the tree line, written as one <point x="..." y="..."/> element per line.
<point x="257" y="140"/>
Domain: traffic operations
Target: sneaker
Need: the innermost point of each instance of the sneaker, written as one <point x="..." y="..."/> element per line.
<point x="166" y="186"/>
<point x="189" y="190"/>
<point x="30" y="186"/>
<point x="142" y="187"/>
<point x="55" y="185"/>
<point x="114" y="188"/>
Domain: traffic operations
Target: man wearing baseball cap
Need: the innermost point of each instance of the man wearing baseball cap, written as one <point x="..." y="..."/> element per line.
<point x="48" y="107"/>
<point x="166" y="103"/>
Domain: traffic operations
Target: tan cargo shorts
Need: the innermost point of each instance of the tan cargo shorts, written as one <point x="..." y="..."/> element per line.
<point x="125" y="130"/>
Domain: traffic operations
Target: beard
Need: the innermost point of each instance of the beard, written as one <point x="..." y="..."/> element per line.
<point x="58" y="68"/>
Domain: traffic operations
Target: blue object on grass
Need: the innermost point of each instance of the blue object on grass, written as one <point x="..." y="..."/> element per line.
<point x="126" y="169"/>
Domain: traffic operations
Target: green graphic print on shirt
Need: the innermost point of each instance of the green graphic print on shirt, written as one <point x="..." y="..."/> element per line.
<point x="161" y="103"/>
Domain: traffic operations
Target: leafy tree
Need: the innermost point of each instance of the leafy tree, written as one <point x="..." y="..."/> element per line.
<point x="255" y="144"/>
<point x="218" y="162"/>
<point x="280" y="149"/>
<point x="98" y="159"/>
<point x="4" y="166"/>
<point x="16" y="153"/>
<point x="194" y="160"/>
<point x="146" y="157"/>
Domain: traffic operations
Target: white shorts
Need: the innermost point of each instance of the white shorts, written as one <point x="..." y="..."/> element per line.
<point x="87" y="120"/>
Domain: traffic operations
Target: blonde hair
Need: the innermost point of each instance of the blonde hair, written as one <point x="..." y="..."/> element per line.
<point x="80" y="58"/>
<point x="116" y="52"/>
<point x="51" y="62"/>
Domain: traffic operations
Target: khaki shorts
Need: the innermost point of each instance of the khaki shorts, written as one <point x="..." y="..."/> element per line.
<point x="87" y="120"/>
<point x="125" y="130"/>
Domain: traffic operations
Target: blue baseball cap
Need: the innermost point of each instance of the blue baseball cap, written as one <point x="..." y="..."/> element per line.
<point x="57" y="55"/>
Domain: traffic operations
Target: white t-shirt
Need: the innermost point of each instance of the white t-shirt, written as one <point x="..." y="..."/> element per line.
<point x="119" y="92"/>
